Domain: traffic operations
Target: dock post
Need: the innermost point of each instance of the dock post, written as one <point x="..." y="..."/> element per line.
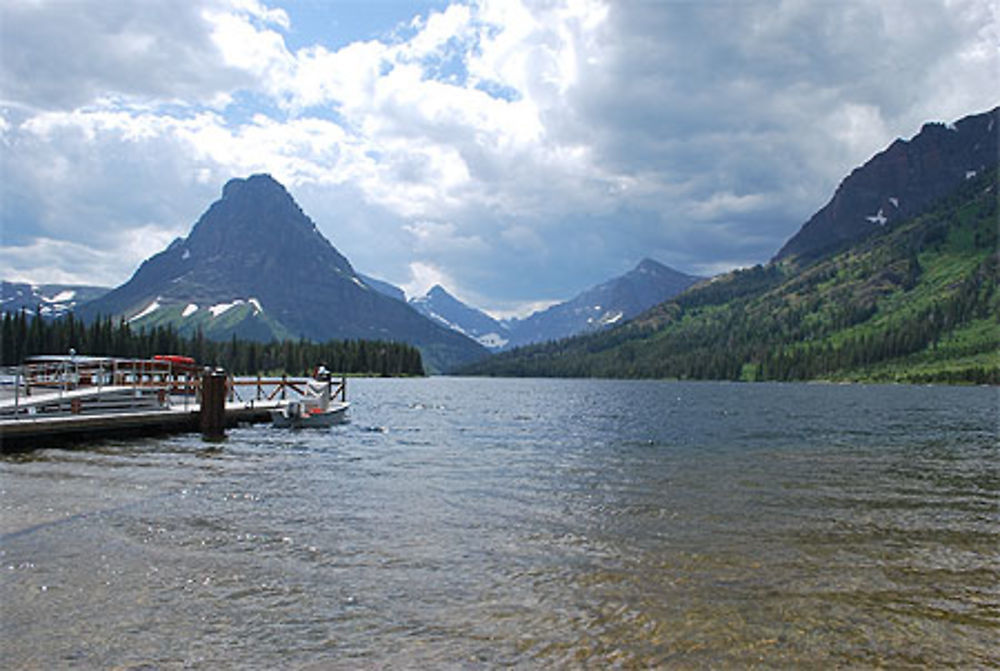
<point x="17" y="391"/>
<point x="213" y="405"/>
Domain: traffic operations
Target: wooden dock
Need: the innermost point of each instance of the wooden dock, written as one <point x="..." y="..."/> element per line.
<point x="30" y="432"/>
<point x="61" y="401"/>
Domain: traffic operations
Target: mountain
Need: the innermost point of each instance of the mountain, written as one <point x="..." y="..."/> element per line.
<point x="255" y="266"/>
<point x="607" y="304"/>
<point x="916" y="302"/>
<point x="899" y="183"/>
<point x="444" y="308"/>
<point x="599" y="307"/>
<point x="51" y="300"/>
<point x="383" y="287"/>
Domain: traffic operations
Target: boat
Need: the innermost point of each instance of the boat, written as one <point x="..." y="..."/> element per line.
<point x="315" y="408"/>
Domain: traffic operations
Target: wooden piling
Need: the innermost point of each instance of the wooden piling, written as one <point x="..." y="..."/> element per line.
<point x="213" y="405"/>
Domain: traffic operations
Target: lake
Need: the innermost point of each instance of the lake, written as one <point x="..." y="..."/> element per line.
<point x="477" y="523"/>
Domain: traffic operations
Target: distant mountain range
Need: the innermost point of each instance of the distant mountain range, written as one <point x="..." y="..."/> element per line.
<point x="256" y="267"/>
<point x="895" y="279"/>
<point x="599" y="307"/>
<point x="50" y="300"/>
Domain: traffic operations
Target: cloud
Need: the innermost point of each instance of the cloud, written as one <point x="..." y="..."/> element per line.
<point x="423" y="277"/>
<point x="44" y="259"/>
<point x="57" y="55"/>
<point x="521" y="150"/>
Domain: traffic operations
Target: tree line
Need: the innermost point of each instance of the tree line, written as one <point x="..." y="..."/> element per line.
<point x="23" y="335"/>
<point x="767" y="340"/>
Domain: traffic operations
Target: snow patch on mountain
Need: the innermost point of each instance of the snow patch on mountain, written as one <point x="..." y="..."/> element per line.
<point x="148" y="310"/>
<point x="492" y="340"/>
<point x="189" y="310"/>
<point x="222" y="308"/>
<point x="878" y="218"/>
<point x="61" y="297"/>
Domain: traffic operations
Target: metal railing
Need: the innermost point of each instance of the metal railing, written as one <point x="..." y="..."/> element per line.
<point x="47" y="384"/>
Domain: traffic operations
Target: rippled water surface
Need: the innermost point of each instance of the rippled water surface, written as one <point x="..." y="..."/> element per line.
<point x="482" y="523"/>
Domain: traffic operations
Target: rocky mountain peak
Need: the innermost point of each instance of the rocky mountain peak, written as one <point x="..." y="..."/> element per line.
<point x="255" y="265"/>
<point x="898" y="183"/>
<point x="255" y="213"/>
<point x="254" y="185"/>
<point x="438" y="291"/>
<point x="649" y="265"/>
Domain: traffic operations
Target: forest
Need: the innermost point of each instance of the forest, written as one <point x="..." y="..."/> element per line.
<point x="23" y="335"/>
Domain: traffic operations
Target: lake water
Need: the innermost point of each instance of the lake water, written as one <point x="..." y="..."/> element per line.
<point x="534" y="523"/>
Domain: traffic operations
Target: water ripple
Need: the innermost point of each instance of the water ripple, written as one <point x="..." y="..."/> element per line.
<point x="484" y="523"/>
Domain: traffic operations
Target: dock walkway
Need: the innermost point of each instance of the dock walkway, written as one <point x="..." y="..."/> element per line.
<point x="63" y="400"/>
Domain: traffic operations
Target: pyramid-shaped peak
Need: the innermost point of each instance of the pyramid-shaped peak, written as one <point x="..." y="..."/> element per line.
<point x="257" y="218"/>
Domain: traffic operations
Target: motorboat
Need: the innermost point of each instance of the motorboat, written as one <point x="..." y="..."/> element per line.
<point x="315" y="408"/>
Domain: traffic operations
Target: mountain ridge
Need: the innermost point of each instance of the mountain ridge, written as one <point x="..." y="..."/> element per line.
<point x="610" y="302"/>
<point x="898" y="183"/>
<point x="49" y="300"/>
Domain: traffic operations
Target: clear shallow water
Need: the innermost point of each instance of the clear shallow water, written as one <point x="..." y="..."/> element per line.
<point x="536" y="523"/>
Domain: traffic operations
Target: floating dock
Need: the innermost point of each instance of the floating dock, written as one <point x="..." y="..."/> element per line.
<point x="72" y="399"/>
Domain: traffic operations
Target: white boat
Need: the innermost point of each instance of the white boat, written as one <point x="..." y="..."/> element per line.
<point x="314" y="409"/>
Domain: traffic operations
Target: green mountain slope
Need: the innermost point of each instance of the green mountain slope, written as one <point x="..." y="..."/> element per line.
<point x="916" y="302"/>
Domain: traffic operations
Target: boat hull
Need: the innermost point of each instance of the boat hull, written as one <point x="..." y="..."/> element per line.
<point x="335" y="414"/>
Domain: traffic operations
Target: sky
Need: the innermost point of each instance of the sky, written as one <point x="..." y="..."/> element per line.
<point x="515" y="151"/>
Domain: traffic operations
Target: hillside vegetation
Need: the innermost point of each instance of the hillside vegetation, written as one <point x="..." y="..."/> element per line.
<point x="914" y="302"/>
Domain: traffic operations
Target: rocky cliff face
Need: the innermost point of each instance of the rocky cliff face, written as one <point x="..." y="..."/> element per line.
<point x="899" y="183"/>
<point x="256" y="266"/>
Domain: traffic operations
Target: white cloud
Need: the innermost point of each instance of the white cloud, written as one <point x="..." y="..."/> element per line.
<point x="436" y="31"/>
<point x="523" y="149"/>
<point x="431" y="236"/>
<point x="724" y="204"/>
<point x="43" y="261"/>
<point x="423" y="276"/>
